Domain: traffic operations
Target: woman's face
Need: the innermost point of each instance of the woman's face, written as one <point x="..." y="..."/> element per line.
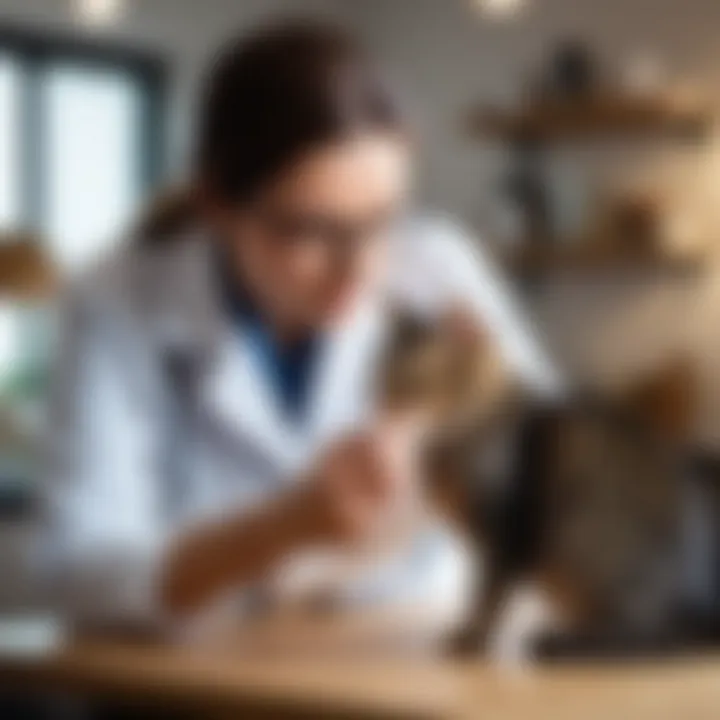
<point x="314" y="239"/>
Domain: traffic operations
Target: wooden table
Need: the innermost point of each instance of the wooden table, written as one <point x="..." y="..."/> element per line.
<point x="326" y="679"/>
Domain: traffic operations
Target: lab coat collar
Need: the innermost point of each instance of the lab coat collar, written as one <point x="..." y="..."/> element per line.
<point x="188" y="317"/>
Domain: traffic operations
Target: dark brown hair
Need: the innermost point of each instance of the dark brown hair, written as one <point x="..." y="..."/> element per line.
<point x="275" y="95"/>
<point x="271" y="97"/>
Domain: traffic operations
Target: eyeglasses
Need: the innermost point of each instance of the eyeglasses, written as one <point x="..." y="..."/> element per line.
<point x="298" y="228"/>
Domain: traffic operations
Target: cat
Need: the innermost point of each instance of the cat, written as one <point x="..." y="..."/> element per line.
<point x="574" y="509"/>
<point x="591" y="546"/>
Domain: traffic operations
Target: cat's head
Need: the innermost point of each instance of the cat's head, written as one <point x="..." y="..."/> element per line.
<point x="445" y="368"/>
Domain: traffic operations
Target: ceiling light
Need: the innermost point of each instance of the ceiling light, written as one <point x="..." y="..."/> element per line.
<point x="99" y="13"/>
<point x="500" y="9"/>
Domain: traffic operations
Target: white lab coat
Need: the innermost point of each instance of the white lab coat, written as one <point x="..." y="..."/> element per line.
<point x="160" y="418"/>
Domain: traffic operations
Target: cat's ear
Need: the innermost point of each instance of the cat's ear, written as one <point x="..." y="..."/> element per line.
<point x="407" y="328"/>
<point x="665" y="400"/>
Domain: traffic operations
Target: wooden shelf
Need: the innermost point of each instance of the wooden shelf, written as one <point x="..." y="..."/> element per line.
<point x="26" y="273"/>
<point x="537" y="259"/>
<point x="608" y="115"/>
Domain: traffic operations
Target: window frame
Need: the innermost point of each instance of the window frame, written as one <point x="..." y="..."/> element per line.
<point x="35" y="51"/>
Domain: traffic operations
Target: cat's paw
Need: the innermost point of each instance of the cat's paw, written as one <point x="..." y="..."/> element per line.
<point x="528" y="615"/>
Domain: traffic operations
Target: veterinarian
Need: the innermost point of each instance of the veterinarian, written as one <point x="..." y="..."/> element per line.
<point x="212" y="402"/>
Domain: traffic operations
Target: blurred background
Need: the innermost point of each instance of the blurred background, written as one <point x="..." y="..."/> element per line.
<point x="576" y="138"/>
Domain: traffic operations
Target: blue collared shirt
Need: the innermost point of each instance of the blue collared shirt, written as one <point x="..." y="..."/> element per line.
<point x="289" y="367"/>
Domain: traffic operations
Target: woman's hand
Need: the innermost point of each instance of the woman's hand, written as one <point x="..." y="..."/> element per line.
<point x="341" y="501"/>
<point x="350" y="491"/>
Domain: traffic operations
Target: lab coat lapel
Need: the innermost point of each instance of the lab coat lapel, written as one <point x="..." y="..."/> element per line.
<point x="232" y="387"/>
<point x="340" y="396"/>
<point x="187" y="317"/>
<point x="236" y="389"/>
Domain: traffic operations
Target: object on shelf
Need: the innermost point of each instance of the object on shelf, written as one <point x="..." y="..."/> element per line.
<point x="633" y="226"/>
<point x="671" y="213"/>
<point x="526" y="189"/>
<point x="26" y="273"/>
<point x="643" y="74"/>
<point x="572" y="73"/>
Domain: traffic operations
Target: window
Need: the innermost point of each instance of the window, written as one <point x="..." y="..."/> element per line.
<point x="80" y="141"/>
<point x="9" y="142"/>
<point x="80" y="145"/>
<point x="92" y="178"/>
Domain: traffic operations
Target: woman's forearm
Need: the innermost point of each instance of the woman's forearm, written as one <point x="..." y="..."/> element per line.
<point x="226" y="554"/>
<point x="337" y="503"/>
